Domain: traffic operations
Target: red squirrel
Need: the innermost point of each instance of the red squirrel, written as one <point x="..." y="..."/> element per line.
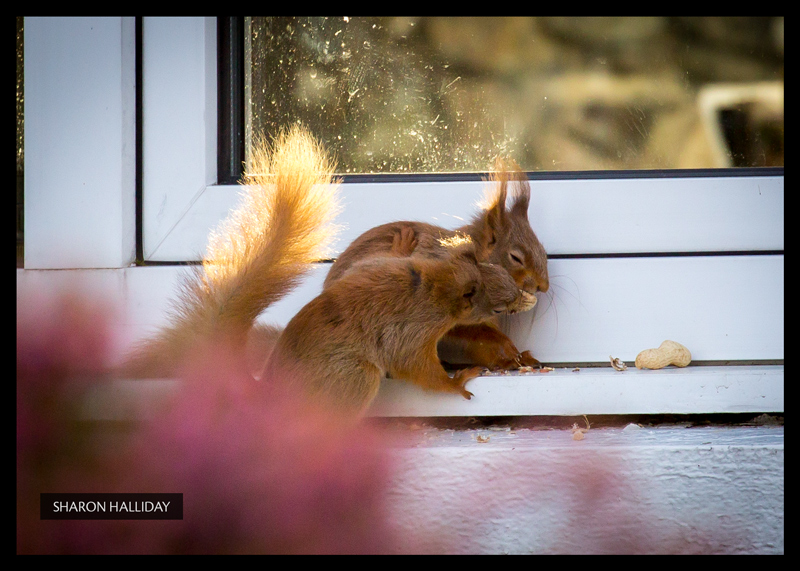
<point x="384" y="315"/>
<point x="503" y="236"/>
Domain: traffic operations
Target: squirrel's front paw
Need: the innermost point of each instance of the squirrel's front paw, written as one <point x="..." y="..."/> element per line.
<point x="462" y="376"/>
<point x="525" y="359"/>
<point x="404" y="242"/>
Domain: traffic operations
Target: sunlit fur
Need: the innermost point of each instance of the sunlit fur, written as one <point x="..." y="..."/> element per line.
<point x="502" y="236"/>
<point x="385" y="315"/>
<point x="505" y="233"/>
<point x="256" y="256"/>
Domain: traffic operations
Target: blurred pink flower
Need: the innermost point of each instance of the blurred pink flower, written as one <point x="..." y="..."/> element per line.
<point x="260" y="470"/>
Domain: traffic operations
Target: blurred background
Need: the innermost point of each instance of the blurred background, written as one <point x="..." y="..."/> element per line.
<point x="447" y="94"/>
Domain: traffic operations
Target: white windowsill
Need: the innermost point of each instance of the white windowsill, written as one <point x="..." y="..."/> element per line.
<point x="561" y="392"/>
<point x="602" y="390"/>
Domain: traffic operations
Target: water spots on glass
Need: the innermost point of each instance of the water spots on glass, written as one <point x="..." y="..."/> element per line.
<point x="404" y="94"/>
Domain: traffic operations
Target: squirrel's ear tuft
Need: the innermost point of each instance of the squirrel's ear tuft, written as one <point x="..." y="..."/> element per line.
<point x="520" y="189"/>
<point x="494" y="204"/>
<point x="521" y="202"/>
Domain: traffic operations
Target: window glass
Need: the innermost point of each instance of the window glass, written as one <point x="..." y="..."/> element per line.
<point x="20" y="139"/>
<point x="405" y="95"/>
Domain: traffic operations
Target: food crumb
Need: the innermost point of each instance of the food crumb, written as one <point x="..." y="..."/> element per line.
<point x="617" y="363"/>
<point x="579" y="433"/>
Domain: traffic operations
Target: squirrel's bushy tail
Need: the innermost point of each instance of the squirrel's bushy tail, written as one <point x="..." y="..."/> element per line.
<point x="256" y="256"/>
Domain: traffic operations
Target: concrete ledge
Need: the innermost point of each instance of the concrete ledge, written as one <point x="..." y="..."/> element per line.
<point x="500" y="489"/>
<point x="633" y="490"/>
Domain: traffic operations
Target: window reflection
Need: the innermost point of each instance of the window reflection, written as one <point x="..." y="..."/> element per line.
<point x="20" y="141"/>
<point x="449" y="94"/>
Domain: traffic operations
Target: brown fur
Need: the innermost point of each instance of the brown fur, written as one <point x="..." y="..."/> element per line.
<point x="386" y="315"/>
<point x="502" y="236"/>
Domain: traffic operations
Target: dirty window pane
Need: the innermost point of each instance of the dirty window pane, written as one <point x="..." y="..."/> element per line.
<point x="399" y="94"/>
<point x="20" y="140"/>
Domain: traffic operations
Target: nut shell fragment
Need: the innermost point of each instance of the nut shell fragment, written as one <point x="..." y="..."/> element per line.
<point x="617" y="363"/>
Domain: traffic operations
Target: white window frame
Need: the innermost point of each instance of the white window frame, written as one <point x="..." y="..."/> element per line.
<point x="182" y="200"/>
<point x="179" y="134"/>
<point x="80" y="135"/>
<point x="84" y="197"/>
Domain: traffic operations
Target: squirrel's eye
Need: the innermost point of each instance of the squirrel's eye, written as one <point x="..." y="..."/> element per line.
<point x="515" y="258"/>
